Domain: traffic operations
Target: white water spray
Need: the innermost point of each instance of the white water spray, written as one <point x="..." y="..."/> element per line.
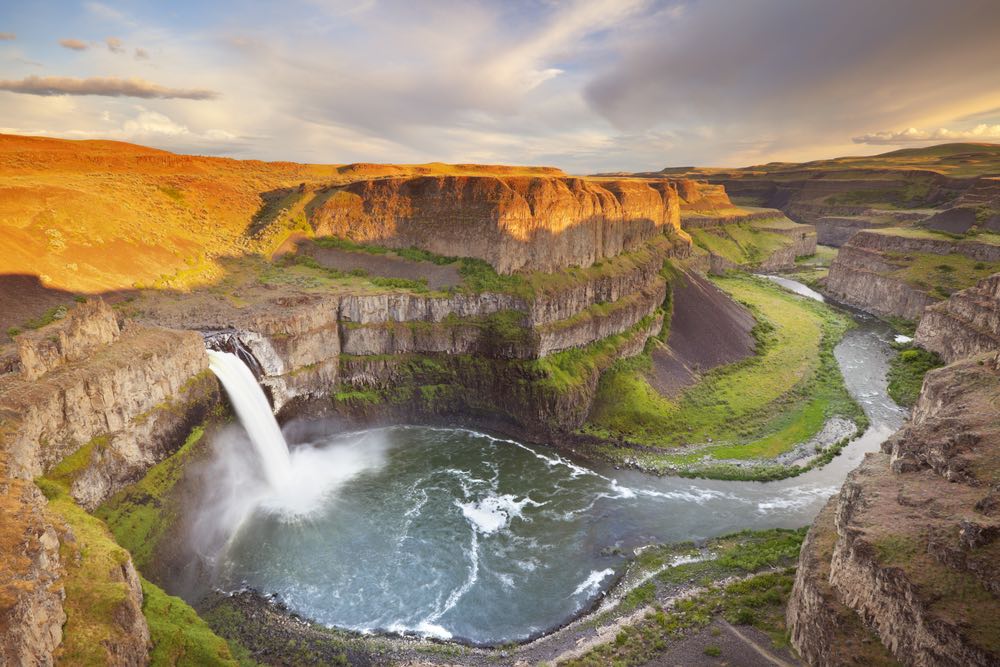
<point x="255" y="414"/>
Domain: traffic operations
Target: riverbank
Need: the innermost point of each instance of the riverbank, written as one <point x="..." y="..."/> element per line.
<point x="670" y="597"/>
<point x="773" y="415"/>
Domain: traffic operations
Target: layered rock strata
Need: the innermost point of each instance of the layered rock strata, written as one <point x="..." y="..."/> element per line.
<point x="915" y="535"/>
<point x="860" y="276"/>
<point x="94" y="406"/>
<point x="538" y="223"/>
<point x="128" y="402"/>
<point x="299" y="338"/>
<point x="966" y="323"/>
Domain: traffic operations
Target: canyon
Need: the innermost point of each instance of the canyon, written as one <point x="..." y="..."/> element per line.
<point x="522" y="301"/>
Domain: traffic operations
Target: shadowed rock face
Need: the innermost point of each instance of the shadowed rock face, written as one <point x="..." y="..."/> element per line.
<point x="967" y="323"/>
<point x="859" y="276"/>
<point x="911" y="543"/>
<point x="514" y="223"/>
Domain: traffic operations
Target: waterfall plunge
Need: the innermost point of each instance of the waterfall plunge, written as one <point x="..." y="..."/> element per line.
<point x="255" y="414"/>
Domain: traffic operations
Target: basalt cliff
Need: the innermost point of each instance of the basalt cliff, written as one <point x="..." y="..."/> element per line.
<point x="901" y="564"/>
<point x="514" y="223"/>
<point x="902" y="272"/>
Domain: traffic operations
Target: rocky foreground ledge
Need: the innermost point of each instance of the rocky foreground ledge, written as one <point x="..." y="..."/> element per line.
<point x="904" y="558"/>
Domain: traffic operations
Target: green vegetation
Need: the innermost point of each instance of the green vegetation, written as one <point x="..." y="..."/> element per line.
<point x="179" y="636"/>
<point x="758" y="600"/>
<point x="912" y="195"/>
<point x="274" y="204"/>
<point x="940" y="275"/>
<point x="48" y="317"/>
<point x="814" y="268"/>
<point x="98" y="596"/>
<point x="95" y="589"/>
<point x="906" y="373"/>
<point x="172" y="192"/>
<point x="753" y="409"/>
<point x="140" y="514"/>
<point x="479" y="275"/>
<point x="744" y="244"/>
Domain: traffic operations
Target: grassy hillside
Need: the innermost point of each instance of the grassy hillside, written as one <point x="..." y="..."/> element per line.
<point x="958" y="159"/>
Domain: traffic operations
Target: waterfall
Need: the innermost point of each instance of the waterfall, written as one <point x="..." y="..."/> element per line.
<point x="254" y="413"/>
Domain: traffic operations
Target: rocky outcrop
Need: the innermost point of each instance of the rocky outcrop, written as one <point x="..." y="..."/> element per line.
<point x="702" y="196"/>
<point x="519" y="397"/>
<point x="834" y="230"/>
<point x="128" y="403"/>
<point x="298" y="338"/>
<point x="537" y="223"/>
<point x="915" y="535"/>
<point x="967" y="323"/>
<point x="85" y="329"/>
<point x="94" y="406"/>
<point x="859" y="277"/>
<point x="865" y="273"/>
<point x="31" y="593"/>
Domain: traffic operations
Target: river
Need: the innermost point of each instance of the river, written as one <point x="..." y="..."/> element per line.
<point x="459" y="534"/>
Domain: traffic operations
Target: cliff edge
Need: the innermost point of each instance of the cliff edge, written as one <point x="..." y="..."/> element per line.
<point x="911" y="542"/>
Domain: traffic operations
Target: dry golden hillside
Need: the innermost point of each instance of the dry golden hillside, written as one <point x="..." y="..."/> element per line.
<point x="92" y="216"/>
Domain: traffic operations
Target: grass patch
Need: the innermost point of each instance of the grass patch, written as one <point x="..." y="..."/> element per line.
<point x="95" y="590"/>
<point x="743" y="244"/>
<point x="179" y="636"/>
<point x="940" y="275"/>
<point x="140" y="514"/>
<point x="48" y="317"/>
<point x="172" y="192"/>
<point x="753" y="409"/>
<point x="906" y="373"/>
<point x="97" y="596"/>
<point x="758" y="600"/>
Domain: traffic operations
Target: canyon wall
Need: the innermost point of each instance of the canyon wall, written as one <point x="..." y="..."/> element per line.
<point x="301" y="340"/>
<point x="92" y="405"/>
<point x="127" y="401"/>
<point x="966" y="323"/>
<point x="865" y="273"/>
<point x="539" y="223"/>
<point x="907" y="551"/>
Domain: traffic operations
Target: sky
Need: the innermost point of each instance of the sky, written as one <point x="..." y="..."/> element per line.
<point x="585" y="85"/>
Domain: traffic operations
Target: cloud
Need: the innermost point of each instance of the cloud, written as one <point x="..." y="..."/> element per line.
<point x="981" y="132"/>
<point x="114" y="45"/>
<point x="104" y="86"/>
<point x="150" y="128"/>
<point x="106" y="13"/>
<point x="798" y="74"/>
<point x="141" y="54"/>
<point x="73" y="44"/>
<point x="7" y="37"/>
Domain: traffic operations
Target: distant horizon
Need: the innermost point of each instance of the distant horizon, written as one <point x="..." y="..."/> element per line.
<point x="509" y="164"/>
<point x="588" y="85"/>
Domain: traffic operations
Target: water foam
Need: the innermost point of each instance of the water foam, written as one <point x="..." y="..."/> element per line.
<point x="494" y="513"/>
<point x="592" y="583"/>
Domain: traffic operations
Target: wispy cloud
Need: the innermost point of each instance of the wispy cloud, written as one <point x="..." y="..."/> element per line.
<point x="73" y="44"/>
<point x="981" y="132"/>
<point x="7" y="37"/>
<point x="103" y="11"/>
<point x="114" y="45"/>
<point x="104" y="86"/>
<point x="141" y="54"/>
